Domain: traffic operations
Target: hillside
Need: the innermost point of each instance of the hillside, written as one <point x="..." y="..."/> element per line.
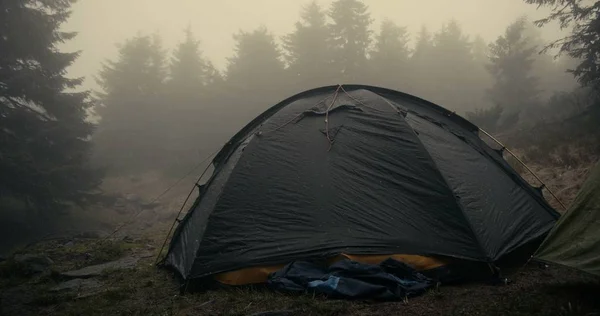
<point x="142" y="289"/>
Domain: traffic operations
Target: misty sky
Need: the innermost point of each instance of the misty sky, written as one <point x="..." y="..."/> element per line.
<point x="103" y="23"/>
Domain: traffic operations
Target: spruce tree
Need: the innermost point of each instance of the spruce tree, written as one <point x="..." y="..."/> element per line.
<point x="511" y="63"/>
<point x="256" y="65"/>
<point x="515" y="88"/>
<point x="189" y="73"/>
<point x="350" y="38"/>
<point x="139" y="69"/>
<point x="583" y="42"/>
<point x="307" y="48"/>
<point x="480" y="50"/>
<point x="423" y="46"/>
<point x="452" y="53"/>
<point x="255" y="77"/>
<point x="133" y="110"/>
<point x="455" y="76"/>
<point x="44" y="134"/>
<point x="195" y="99"/>
<point x="421" y="64"/>
<point x="551" y="71"/>
<point x="389" y="62"/>
<point x="481" y="79"/>
<point x="213" y="76"/>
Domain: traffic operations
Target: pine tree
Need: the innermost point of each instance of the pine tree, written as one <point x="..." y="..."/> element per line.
<point x="453" y="52"/>
<point x="452" y="41"/>
<point x="214" y="78"/>
<point x="389" y="60"/>
<point x="421" y="64"/>
<point x="43" y="128"/>
<point x="189" y="73"/>
<point x="133" y="109"/>
<point x="582" y="43"/>
<point x="255" y="75"/>
<point x="350" y="38"/>
<point x="551" y="72"/>
<point x="480" y="51"/>
<point x="256" y="65"/>
<point x="481" y="78"/>
<point x="511" y="64"/>
<point x="423" y="46"/>
<point x="456" y="78"/>
<point x="157" y="68"/>
<point x="307" y="50"/>
<point x="139" y="70"/>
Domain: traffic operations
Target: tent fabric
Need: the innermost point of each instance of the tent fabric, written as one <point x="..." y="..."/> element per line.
<point x="347" y="279"/>
<point x="575" y="240"/>
<point x="358" y="170"/>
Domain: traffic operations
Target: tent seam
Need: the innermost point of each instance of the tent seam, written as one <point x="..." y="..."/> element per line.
<point x="477" y="240"/>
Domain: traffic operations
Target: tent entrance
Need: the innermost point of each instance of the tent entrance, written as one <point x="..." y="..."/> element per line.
<point x="260" y="274"/>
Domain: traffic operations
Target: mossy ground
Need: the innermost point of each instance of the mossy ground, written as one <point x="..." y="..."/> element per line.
<point x="148" y="290"/>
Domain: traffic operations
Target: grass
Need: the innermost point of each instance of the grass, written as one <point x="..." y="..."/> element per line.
<point x="146" y="290"/>
<point x="75" y="254"/>
<point x="12" y="273"/>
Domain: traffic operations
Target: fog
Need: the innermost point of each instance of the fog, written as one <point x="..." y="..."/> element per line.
<point x="133" y="127"/>
<point x="165" y="106"/>
<point x="102" y="24"/>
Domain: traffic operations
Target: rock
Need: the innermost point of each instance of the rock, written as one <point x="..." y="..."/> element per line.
<point x="77" y="284"/>
<point x="133" y="198"/>
<point x="135" y="179"/>
<point x="96" y="270"/>
<point x="34" y="263"/>
<point x="167" y="217"/>
<point x="149" y="205"/>
<point x="69" y="244"/>
<point x="275" y="313"/>
<point x="94" y="293"/>
<point x="121" y="209"/>
<point x="146" y="255"/>
<point x="13" y="300"/>
<point x="89" y="235"/>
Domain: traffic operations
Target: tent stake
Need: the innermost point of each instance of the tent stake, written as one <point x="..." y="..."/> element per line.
<point x="526" y="167"/>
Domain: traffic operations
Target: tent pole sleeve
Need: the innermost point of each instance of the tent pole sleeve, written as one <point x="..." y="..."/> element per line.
<point x="526" y="167"/>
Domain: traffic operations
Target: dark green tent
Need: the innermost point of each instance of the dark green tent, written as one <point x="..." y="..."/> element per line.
<point x="575" y="239"/>
<point x="361" y="172"/>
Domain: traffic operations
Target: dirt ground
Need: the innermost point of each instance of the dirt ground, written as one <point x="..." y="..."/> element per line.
<point x="148" y="290"/>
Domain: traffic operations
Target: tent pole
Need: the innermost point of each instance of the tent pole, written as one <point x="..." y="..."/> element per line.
<point x="526" y="167"/>
<point x="173" y="225"/>
<point x="196" y="184"/>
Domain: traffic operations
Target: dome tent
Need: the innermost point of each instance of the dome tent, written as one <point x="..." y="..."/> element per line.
<point x="356" y="171"/>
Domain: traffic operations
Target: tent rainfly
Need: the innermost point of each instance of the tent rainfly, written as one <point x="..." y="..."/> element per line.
<point x="575" y="239"/>
<point x="359" y="172"/>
